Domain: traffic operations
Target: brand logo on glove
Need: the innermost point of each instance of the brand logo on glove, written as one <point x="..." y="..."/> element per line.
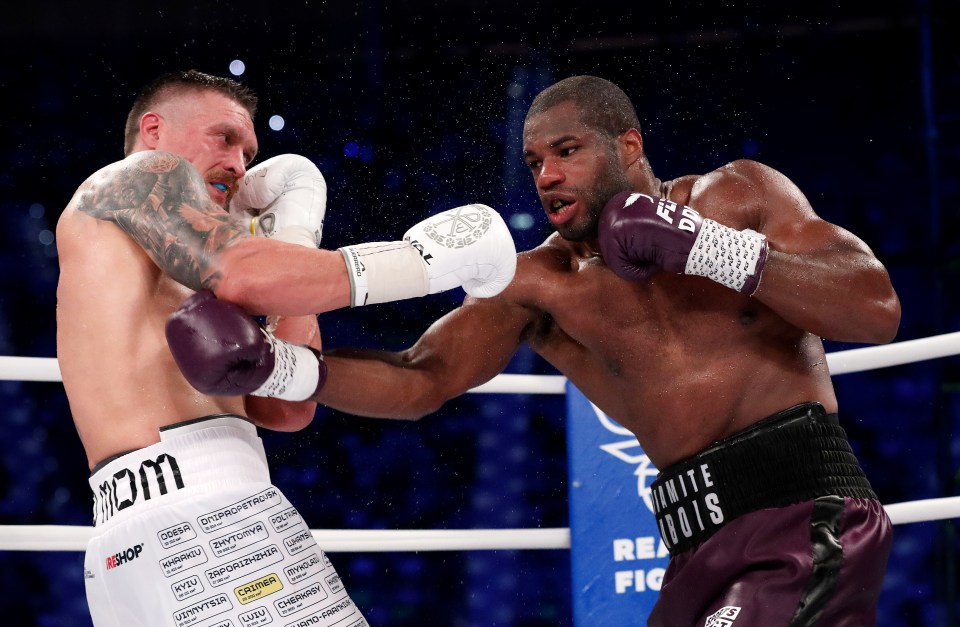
<point x="666" y="210"/>
<point x="268" y="223"/>
<point x="417" y="246"/>
<point x="459" y="227"/>
<point x="261" y="172"/>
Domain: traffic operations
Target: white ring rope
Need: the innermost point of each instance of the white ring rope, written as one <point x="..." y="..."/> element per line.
<point x="840" y="362"/>
<point x="30" y="369"/>
<point x="896" y="354"/>
<point x="74" y="538"/>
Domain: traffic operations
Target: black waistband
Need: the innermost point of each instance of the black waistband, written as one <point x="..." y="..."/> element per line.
<point x="795" y="455"/>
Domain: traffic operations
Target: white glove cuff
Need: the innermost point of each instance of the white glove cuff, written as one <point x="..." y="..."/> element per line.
<point x="296" y="372"/>
<point x="726" y="255"/>
<point x="382" y="272"/>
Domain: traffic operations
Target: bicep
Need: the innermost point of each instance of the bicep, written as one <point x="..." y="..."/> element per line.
<point x="792" y="226"/>
<point x="758" y="197"/>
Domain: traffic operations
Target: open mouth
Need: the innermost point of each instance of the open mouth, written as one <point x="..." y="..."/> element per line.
<point x="221" y="186"/>
<point x="560" y="210"/>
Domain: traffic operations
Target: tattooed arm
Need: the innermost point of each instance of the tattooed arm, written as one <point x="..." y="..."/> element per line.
<point x="160" y="200"/>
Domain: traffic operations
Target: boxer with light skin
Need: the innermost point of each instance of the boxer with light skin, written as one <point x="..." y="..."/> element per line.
<point x="140" y="237"/>
<point x="691" y="311"/>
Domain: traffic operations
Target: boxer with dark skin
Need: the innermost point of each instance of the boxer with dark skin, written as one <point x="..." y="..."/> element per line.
<point x="691" y="311"/>
<point x="643" y="351"/>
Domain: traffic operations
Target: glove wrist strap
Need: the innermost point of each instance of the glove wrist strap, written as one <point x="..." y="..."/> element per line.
<point x="382" y="272"/>
<point x="296" y="372"/>
<point x="730" y="257"/>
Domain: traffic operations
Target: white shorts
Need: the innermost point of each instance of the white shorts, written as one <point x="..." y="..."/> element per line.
<point x="190" y="531"/>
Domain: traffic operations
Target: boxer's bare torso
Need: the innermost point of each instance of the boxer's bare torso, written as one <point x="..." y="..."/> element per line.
<point x="680" y="361"/>
<point x="118" y="285"/>
<point x="112" y="305"/>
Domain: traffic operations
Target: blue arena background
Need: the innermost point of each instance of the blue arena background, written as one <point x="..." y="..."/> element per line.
<point x="410" y="108"/>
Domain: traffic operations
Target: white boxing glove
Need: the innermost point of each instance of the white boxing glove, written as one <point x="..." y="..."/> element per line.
<point x="287" y="199"/>
<point x="469" y="247"/>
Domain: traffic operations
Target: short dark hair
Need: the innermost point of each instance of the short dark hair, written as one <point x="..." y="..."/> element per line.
<point x="602" y="105"/>
<point x="176" y="83"/>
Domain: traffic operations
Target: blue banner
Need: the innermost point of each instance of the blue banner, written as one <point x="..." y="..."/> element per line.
<point x="617" y="557"/>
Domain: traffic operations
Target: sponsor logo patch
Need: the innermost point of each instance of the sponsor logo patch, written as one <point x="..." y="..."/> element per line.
<point x="258" y="588"/>
<point x="124" y="557"/>
<point x="723" y="617"/>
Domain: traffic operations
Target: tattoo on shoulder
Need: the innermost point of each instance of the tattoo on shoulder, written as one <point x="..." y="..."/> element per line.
<point x="161" y="201"/>
<point x="158" y="162"/>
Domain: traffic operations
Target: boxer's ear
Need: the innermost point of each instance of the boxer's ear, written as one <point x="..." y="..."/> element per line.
<point x="630" y="146"/>
<point x="150" y="124"/>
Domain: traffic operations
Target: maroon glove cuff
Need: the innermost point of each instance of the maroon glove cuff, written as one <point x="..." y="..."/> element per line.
<point x="321" y="371"/>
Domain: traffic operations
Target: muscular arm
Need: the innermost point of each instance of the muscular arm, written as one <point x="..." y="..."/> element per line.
<point x="818" y="276"/>
<point x="160" y="200"/>
<point x="465" y="348"/>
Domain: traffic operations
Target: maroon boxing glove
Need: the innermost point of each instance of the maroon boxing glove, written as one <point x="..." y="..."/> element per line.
<point x="640" y="235"/>
<point x="222" y="351"/>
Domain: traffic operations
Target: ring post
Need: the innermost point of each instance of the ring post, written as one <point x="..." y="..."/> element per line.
<point x="617" y="557"/>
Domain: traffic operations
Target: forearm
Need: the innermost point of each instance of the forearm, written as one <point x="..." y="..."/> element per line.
<point x="380" y="384"/>
<point x="160" y="201"/>
<point x="444" y="363"/>
<point x="818" y="276"/>
<point x="837" y="295"/>
<point x="301" y="281"/>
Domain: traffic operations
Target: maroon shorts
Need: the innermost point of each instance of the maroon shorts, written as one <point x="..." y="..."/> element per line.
<point x="815" y="563"/>
<point x="773" y="527"/>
